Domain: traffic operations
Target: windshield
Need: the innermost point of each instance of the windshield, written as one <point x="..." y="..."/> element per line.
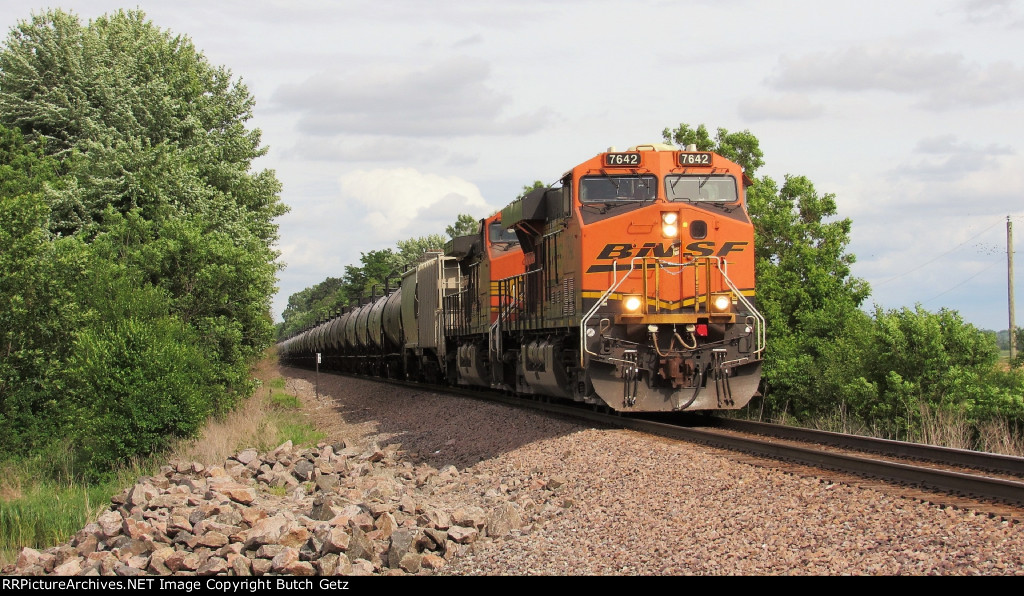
<point x="708" y="188"/>
<point x="618" y="189"/>
<point x="498" y="234"/>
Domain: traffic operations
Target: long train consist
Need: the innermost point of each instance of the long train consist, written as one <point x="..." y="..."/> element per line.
<point x="629" y="284"/>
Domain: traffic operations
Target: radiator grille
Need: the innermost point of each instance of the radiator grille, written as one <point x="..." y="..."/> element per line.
<point x="569" y="296"/>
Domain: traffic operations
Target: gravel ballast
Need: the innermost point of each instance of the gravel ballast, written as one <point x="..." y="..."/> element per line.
<point x="616" y="502"/>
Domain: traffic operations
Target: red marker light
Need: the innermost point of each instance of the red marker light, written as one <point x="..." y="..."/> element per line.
<point x="702" y="330"/>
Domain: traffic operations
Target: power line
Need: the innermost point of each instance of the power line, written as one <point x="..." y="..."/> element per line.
<point x="922" y="265"/>
<point x="960" y="284"/>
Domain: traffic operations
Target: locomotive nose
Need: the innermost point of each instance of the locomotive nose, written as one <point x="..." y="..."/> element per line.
<point x="712" y="386"/>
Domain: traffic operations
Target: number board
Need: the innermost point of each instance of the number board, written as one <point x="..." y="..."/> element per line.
<point x="695" y="159"/>
<point x="621" y="160"/>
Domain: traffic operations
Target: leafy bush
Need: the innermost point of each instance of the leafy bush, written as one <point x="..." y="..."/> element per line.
<point x="134" y="382"/>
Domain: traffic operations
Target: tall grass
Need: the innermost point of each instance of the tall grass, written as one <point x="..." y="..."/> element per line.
<point x="270" y="417"/>
<point x="946" y="428"/>
<point x="43" y="504"/>
<point x="935" y="427"/>
<point x="997" y="436"/>
<point x="41" y="507"/>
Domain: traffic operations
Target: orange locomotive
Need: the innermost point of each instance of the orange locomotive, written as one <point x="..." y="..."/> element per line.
<point x="630" y="285"/>
<point x="472" y="314"/>
<point x="637" y="290"/>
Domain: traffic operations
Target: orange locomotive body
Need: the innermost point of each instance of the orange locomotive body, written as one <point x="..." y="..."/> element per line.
<point x="638" y="289"/>
<point x="472" y="314"/>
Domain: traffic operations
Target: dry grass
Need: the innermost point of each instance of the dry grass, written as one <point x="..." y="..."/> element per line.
<point x="265" y="420"/>
<point x="952" y="429"/>
<point x="946" y="428"/>
<point x="246" y="426"/>
<point x="10" y="483"/>
<point x="996" y="436"/>
<point x="937" y="427"/>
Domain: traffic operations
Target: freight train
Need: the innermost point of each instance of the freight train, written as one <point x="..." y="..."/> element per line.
<point x="628" y="284"/>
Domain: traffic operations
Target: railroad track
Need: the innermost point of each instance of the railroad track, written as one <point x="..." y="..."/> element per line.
<point x="984" y="482"/>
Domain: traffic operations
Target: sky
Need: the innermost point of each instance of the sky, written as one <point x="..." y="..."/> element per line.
<point x="385" y="119"/>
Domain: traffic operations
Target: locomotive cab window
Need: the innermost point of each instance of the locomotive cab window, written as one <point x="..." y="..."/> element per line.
<point x="499" y="235"/>
<point x="618" y="189"/>
<point x="701" y="189"/>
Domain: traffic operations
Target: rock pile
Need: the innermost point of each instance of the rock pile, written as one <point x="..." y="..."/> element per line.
<point x="332" y="510"/>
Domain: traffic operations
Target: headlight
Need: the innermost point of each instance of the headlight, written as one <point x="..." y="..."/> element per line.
<point x="721" y="303"/>
<point x="632" y="303"/>
<point x="669" y="229"/>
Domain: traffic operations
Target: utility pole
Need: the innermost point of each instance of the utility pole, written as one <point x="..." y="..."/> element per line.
<point x="1009" y="266"/>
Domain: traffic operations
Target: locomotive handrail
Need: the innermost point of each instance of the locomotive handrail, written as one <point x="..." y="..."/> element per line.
<point x="593" y="310"/>
<point x="515" y="305"/>
<point x="760" y="339"/>
<point x="494" y="332"/>
<point x="720" y="264"/>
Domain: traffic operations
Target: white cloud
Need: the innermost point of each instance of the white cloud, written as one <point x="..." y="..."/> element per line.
<point x="940" y="80"/>
<point x="403" y="203"/>
<point x="789" y="106"/>
<point x="865" y="68"/>
<point x="950" y="144"/>
<point x="946" y="159"/>
<point x="996" y="12"/>
<point x="372" y="149"/>
<point x="447" y="98"/>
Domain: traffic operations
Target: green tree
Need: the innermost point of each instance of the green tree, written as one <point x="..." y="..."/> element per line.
<point x="1019" y="338"/>
<point x="805" y="288"/>
<point x="465" y="225"/>
<point x="37" y="311"/>
<point x="128" y="181"/>
<point x="411" y="249"/>
<point x="136" y="375"/>
<point x="740" y="147"/>
<point x="928" y="362"/>
<point x="141" y="122"/>
<point x="140" y="118"/>
<point x="305" y="305"/>
<point x="527" y="188"/>
<point x="377" y="269"/>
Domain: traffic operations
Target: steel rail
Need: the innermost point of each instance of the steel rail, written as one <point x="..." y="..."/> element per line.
<point x="978" y="486"/>
<point x="995" y="462"/>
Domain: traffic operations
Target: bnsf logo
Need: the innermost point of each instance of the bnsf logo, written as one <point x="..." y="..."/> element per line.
<point x="653" y="249"/>
<point x="704" y="248"/>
